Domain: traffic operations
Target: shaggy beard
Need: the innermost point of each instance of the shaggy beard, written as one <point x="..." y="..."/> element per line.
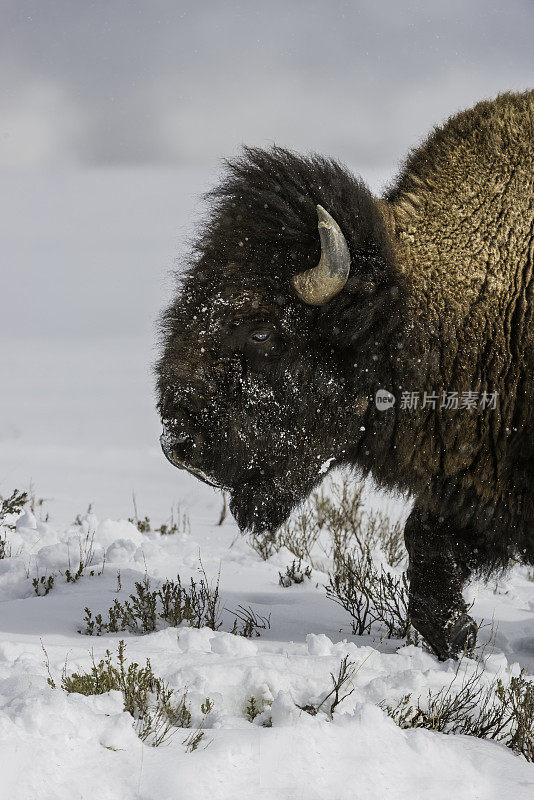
<point x="260" y="508"/>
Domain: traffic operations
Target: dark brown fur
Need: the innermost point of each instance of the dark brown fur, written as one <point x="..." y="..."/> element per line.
<point x="439" y="299"/>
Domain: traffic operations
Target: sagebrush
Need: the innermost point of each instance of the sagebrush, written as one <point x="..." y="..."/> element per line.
<point x="334" y="524"/>
<point x="370" y="595"/>
<point x="469" y="706"/>
<point x="157" y="710"/>
<point x="177" y="522"/>
<point x="339" y="691"/>
<point x="295" y="572"/>
<point x="147" y="609"/>
<point x="197" y="604"/>
<point x="10" y="506"/>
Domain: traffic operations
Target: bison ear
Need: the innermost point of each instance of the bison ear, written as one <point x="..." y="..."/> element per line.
<point x="318" y="285"/>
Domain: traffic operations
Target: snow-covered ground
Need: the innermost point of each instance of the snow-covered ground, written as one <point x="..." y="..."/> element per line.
<point x="55" y="745"/>
<point x="85" y="259"/>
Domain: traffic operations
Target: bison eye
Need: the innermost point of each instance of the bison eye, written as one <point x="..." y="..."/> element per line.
<point x="260" y="336"/>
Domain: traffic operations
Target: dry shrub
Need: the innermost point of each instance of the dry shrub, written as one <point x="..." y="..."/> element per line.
<point x="158" y="712"/>
<point x="469" y="706"/>
<point x="14" y="504"/>
<point x="340" y="682"/>
<point x="197" y="604"/>
<point x="351" y="538"/>
<point x="265" y="544"/>
<point x="370" y="595"/>
<point x="351" y="529"/>
<point x="295" y="573"/>
<point x="300" y="534"/>
<point x="249" y="623"/>
<point x="10" y="506"/>
<point x="177" y="522"/>
<point x="172" y="604"/>
<point x="335" y="522"/>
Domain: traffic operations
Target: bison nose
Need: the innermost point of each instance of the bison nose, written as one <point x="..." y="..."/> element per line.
<point x="183" y="449"/>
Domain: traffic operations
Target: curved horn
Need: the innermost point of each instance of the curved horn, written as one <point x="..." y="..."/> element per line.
<point x="318" y="285"/>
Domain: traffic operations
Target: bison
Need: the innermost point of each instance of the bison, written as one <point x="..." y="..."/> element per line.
<point x="307" y="301"/>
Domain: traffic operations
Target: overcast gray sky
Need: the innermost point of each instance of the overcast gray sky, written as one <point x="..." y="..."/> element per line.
<point x="172" y="81"/>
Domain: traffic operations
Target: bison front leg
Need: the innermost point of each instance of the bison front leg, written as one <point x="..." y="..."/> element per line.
<point x="437" y="573"/>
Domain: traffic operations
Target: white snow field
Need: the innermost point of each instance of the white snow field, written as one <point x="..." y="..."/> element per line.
<point x="85" y="257"/>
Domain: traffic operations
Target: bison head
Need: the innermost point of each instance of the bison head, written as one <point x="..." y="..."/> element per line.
<point x="272" y="348"/>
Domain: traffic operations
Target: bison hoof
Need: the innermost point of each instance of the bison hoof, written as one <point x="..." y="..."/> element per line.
<point x="463" y="636"/>
<point x="455" y="640"/>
